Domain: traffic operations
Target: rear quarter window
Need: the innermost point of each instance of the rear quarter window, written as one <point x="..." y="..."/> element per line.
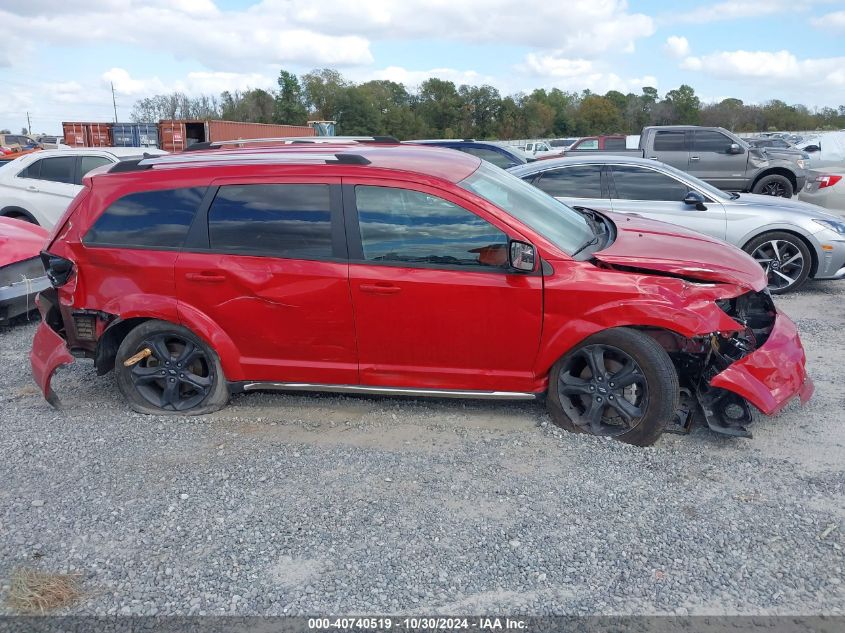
<point x="147" y="219"/>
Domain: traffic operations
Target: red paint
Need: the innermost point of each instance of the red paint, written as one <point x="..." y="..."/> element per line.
<point x="772" y="375"/>
<point x="669" y="248"/>
<point x="49" y="352"/>
<point x="403" y="326"/>
<point x="20" y="240"/>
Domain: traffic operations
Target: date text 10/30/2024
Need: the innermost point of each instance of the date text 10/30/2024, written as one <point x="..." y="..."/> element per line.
<point x="417" y="623"/>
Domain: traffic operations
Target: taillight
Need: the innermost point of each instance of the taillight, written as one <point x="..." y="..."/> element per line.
<point x="827" y="180"/>
<point x="58" y="268"/>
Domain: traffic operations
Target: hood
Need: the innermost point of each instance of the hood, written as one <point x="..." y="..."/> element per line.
<point x="650" y="245"/>
<point x="790" y="205"/>
<point x="20" y="240"/>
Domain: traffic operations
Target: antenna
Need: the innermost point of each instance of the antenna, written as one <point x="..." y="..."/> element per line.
<point x="114" y="103"/>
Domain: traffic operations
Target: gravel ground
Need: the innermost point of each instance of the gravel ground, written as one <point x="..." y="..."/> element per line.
<point x="288" y="504"/>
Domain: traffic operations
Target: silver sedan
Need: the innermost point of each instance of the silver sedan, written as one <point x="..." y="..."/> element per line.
<point x="792" y="240"/>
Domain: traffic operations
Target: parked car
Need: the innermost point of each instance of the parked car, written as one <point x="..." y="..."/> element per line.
<point x="499" y="155"/>
<point x="52" y="142"/>
<point x="776" y="142"/>
<point x="791" y="240"/>
<point x="22" y="274"/>
<point x="15" y="145"/>
<point x="563" y="143"/>
<point x="535" y="150"/>
<point x="38" y="187"/>
<point x="724" y="160"/>
<point x="607" y="142"/>
<point x="403" y="270"/>
<point x="826" y="188"/>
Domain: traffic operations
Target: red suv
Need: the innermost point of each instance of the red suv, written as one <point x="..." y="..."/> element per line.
<point x="404" y="270"/>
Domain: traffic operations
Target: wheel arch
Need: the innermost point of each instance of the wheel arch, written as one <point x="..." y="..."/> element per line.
<point x="777" y="171"/>
<point x="14" y="211"/>
<point x="814" y="256"/>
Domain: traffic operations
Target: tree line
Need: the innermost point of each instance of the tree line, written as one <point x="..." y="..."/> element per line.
<point x="439" y="108"/>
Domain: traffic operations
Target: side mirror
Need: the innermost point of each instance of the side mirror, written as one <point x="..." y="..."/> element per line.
<point x="693" y="198"/>
<point x="522" y="256"/>
<point x="735" y="148"/>
<point x="812" y="148"/>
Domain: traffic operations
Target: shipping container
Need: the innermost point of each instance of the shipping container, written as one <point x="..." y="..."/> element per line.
<point x="177" y="135"/>
<point x="135" y="135"/>
<point x="81" y="134"/>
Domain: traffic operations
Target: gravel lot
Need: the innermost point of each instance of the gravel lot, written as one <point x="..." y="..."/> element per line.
<point x="317" y="504"/>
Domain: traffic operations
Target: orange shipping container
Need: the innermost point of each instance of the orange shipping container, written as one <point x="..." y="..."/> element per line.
<point x="80" y="134"/>
<point x="177" y="135"/>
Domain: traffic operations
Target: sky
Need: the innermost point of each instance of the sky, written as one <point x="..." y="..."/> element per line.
<point x="59" y="58"/>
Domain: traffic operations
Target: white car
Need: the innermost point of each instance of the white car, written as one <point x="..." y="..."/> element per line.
<point x="38" y="187"/>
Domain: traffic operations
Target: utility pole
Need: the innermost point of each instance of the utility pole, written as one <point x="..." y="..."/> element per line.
<point x="28" y="124"/>
<point x="114" y="103"/>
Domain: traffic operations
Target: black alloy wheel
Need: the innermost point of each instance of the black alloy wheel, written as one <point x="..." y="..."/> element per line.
<point x="169" y="371"/>
<point x="603" y="390"/>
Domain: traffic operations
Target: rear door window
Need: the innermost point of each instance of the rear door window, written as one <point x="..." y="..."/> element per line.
<point x="581" y="181"/>
<point x="490" y="155"/>
<point x="669" y="142"/>
<point x="147" y="219"/>
<point x="289" y="221"/>
<point x="411" y="227"/>
<point x="614" y="143"/>
<point x="58" y="169"/>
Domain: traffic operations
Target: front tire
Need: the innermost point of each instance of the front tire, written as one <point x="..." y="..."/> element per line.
<point x="774" y="185"/>
<point x="618" y="383"/>
<point x="785" y="258"/>
<point x="182" y="375"/>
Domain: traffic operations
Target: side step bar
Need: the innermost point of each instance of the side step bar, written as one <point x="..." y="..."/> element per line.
<point x="385" y="391"/>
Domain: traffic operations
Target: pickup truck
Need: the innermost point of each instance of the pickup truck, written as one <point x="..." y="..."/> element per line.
<point x="539" y="149"/>
<point x="608" y="142"/>
<point x="720" y="158"/>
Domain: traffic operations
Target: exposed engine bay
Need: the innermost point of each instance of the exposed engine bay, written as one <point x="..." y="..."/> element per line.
<point x="699" y="360"/>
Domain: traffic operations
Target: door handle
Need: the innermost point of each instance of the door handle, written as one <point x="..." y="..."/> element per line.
<point x="380" y="288"/>
<point x="692" y="158"/>
<point x="209" y="278"/>
<point x="32" y="188"/>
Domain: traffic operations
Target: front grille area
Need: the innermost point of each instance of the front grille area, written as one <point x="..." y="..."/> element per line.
<point x="755" y="310"/>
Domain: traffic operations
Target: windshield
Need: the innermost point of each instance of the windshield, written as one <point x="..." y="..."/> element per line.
<point x="552" y="219"/>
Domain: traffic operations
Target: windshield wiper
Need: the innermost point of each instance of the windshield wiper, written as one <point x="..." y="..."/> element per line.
<point x="591" y="242"/>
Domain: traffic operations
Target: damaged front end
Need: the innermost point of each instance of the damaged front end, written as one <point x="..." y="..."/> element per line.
<point x="762" y="364"/>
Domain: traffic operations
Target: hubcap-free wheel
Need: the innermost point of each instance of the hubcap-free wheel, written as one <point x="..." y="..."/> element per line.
<point x="603" y="390"/>
<point x="783" y="262"/>
<point x="176" y="376"/>
<point x="774" y="189"/>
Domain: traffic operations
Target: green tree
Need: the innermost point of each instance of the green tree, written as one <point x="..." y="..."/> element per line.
<point x="324" y="90"/>
<point x="289" y="107"/>
<point x="685" y="104"/>
<point x="598" y="115"/>
<point x="439" y="106"/>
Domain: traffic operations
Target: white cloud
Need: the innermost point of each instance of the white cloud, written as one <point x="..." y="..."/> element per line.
<point x="413" y="78"/>
<point x="577" y="74"/>
<point x="553" y="66"/>
<point x="195" y="83"/>
<point x="774" y="68"/>
<point x="677" y="46"/>
<point x="737" y="9"/>
<point x="832" y="21"/>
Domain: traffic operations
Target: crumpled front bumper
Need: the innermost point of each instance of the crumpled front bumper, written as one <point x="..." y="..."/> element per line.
<point x="49" y="352"/>
<point x="774" y="374"/>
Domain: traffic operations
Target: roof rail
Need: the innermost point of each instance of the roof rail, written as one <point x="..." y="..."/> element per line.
<point x="290" y="140"/>
<point x="224" y="158"/>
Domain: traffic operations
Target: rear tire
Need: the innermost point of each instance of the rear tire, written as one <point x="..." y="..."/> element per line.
<point x="774" y="185"/>
<point x="182" y="376"/>
<point x="631" y="398"/>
